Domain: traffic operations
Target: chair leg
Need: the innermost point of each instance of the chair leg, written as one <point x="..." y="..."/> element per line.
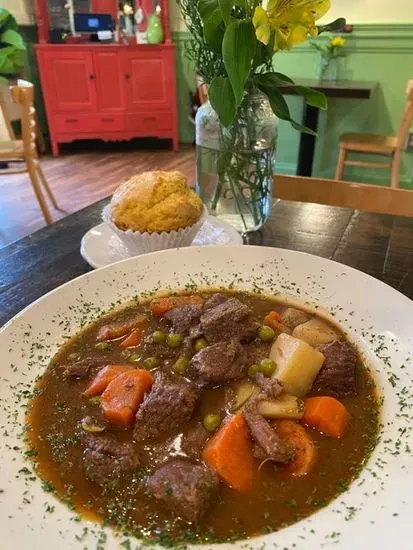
<point x="340" y="163"/>
<point x="395" y="170"/>
<point x="47" y="187"/>
<point x="39" y="195"/>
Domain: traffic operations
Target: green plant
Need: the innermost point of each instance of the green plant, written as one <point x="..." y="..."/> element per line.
<point x="12" y="48"/>
<point x="233" y="44"/>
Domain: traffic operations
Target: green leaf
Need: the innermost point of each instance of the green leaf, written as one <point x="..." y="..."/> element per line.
<point x="211" y="15"/>
<point x="210" y="11"/>
<point x="214" y="36"/>
<point x="279" y="80"/>
<point x="280" y="107"/>
<point x="13" y="38"/>
<point x="226" y="10"/>
<point x="222" y="99"/>
<point x="238" y="50"/>
<point x="334" y="26"/>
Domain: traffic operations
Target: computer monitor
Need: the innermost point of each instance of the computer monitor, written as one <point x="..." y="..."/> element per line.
<point x="93" y="22"/>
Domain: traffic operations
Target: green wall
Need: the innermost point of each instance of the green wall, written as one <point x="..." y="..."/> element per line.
<point x="380" y="53"/>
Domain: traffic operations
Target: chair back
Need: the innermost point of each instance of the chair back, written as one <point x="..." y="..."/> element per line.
<point x="407" y="118"/>
<point x="370" y="198"/>
<point x="23" y="95"/>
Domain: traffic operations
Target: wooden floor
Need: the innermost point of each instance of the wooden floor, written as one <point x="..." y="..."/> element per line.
<point x="81" y="176"/>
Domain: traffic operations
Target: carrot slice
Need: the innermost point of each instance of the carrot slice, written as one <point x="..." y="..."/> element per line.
<point x="229" y="453"/>
<point x="273" y="320"/>
<point x="104" y="377"/>
<point x="304" y="448"/>
<point x="121" y="328"/>
<point x="133" y="339"/>
<point x="160" y="306"/>
<point x="326" y="414"/>
<point x="122" y="397"/>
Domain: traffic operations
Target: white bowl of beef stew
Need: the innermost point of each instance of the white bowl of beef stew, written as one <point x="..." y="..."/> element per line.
<point x="276" y="413"/>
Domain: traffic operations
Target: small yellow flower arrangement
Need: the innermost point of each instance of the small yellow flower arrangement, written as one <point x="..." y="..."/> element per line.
<point x="333" y="49"/>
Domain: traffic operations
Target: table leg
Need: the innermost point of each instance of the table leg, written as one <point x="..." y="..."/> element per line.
<point x="307" y="142"/>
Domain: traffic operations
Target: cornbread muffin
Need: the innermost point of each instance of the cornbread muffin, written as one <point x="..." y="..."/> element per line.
<point x="153" y="202"/>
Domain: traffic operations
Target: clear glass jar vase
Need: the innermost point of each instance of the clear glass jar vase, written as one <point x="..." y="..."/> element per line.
<point x="235" y="165"/>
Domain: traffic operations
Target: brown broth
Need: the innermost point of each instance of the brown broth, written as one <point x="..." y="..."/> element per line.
<point x="276" y="500"/>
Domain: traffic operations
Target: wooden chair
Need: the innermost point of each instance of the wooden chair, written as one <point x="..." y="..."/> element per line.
<point x="25" y="149"/>
<point x="372" y="144"/>
<point x="12" y="112"/>
<point x="371" y="198"/>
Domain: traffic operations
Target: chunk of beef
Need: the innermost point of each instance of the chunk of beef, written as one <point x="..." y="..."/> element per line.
<point x="256" y="351"/>
<point x="220" y="362"/>
<point x="82" y="369"/>
<point x="293" y="317"/>
<point x="105" y="459"/>
<point x="166" y="408"/>
<point x="214" y="301"/>
<point x="184" y="318"/>
<point x="184" y="488"/>
<point x="270" y="387"/>
<point x="230" y="319"/>
<point x="120" y="328"/>
<point x="337" y="376"/>
<point x="269" y="445"/>
<point x="194" y="440"/>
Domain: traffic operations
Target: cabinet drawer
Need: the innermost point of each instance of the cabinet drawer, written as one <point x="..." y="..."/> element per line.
<point x="89" y="123"/>
<point x="149" y="123"/>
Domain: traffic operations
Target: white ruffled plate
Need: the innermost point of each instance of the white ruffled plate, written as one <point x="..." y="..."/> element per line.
<point x="100" y="246"/>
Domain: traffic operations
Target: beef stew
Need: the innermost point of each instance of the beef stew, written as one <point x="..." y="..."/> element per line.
<point x="204" y="417"/>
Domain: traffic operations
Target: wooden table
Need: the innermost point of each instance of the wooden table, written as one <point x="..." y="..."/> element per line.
<point x="378" y="244"/>
<point x="348" y="89"/>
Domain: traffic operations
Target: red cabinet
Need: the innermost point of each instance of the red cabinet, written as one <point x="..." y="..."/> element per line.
<point x="109" y="85"/>
<point x="147" y="80"/>
<point x="109" y="92"/>
<point x="70" y="79"/>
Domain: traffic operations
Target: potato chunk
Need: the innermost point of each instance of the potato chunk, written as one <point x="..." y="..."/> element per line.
<point x="285" y="406"/>
<point x="297" y="364"/>
<point x="315" y="333"/>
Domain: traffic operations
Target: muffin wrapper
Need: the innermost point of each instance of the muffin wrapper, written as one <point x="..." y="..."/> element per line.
<point x="141" y="243"/>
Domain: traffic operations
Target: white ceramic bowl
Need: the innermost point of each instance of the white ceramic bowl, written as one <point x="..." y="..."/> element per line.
<point x="374" y="513"/>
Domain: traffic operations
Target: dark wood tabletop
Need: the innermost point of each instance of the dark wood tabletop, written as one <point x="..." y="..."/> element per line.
<point x="378" y="244"/>
<point x="351" y="89"/>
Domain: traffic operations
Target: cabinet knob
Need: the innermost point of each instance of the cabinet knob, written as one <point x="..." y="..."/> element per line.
<point x="92" y="76"/>
<point x="127" y="76"/>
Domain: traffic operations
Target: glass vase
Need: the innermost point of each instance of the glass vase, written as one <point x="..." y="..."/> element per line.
<point x="328" y="68"/>
<point x="154" y="32"/>
<point x="235" y="165"/>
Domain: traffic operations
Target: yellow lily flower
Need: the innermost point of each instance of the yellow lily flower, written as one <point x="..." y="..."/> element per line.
<point x="338" y="41"/>
<point x="291" y="20"/>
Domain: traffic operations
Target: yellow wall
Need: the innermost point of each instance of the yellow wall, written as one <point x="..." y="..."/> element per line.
<point x="372" y="11"/>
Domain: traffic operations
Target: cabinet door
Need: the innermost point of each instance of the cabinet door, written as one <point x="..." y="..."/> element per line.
<point x="109" y="81"/>
<point x="70" y="81"/>
<point x="147" y="76"/>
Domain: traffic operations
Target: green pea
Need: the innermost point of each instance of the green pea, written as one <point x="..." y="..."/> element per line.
<point x="151" y="363"/>
<point x="211" y="422"/>
<point x="174" y="340"/>
<point x="200" y="343"/>
<point x="103" y="346"/>
<point x="95" y="400"/>
<point x="159" y="337"/>
<point x="253" y="370"/>
<point x="134" y="357"/>
<point x="181" y="365"/>
<point x="266" y="334"/>
<point x="267" y="367"/>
